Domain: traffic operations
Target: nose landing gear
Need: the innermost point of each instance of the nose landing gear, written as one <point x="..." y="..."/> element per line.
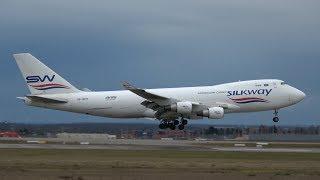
<point x="276" y="118"/>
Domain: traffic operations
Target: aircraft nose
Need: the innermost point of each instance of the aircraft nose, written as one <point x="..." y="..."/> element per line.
<point x="298" y="95"/>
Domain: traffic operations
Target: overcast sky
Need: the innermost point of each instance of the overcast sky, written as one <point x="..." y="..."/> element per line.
<point x="167" y="43"/>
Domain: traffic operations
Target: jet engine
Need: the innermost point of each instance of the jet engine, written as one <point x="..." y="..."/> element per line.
<point x="182" y="107"/>
<point x="214" y="113"/>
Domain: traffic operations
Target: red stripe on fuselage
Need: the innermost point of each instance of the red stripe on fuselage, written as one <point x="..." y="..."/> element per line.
<point x="48" y="84"/>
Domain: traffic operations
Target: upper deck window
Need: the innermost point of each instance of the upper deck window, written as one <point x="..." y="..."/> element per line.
<point x="266" y="84"/>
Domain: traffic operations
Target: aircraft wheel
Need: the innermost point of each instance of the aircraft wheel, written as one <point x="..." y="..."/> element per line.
<point x="162" y="126"/>
<point x="275" y="119"/>
<point x="181" y="127"/>
<point x="175" y="122"/>
<point x="172" y="126"/>
<point x="184" y="122"/>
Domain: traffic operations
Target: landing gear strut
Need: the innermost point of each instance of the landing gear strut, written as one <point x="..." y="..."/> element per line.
<point x="276" y="118"/>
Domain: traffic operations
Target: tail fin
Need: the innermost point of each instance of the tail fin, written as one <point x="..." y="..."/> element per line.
<point x="40" y="78"/>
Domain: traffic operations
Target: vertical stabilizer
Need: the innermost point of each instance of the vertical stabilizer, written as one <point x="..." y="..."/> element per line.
<point x="41" y="79"/>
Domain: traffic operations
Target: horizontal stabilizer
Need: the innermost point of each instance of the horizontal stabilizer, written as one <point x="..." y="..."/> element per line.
<point x="46" y="99"/>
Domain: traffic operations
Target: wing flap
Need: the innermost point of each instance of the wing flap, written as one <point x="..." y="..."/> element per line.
<point x="151" y="105"/>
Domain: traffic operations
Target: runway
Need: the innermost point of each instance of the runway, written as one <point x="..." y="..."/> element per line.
<point x="180" y="147"/>
<point x="287" y="150"/>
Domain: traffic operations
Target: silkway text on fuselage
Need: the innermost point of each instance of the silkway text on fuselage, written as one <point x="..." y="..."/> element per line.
<point x="249" y="92"/>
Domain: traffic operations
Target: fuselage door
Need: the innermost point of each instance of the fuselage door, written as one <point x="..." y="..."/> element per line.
<point x="274" y="84"/>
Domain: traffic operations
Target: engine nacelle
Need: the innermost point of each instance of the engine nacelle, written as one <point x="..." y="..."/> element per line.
<point x="214" y="113"/>
<point x="182" y="107"/>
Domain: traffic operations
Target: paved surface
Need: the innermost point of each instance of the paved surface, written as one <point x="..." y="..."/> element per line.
<point x="110" y="147"/>
<point x="149" y="144"/>
<point x="158" y="147"/>
<point x="246" y="149"/>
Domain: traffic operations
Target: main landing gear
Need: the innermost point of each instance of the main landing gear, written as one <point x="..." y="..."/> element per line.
<point x="276" y="118"/>
<point x="172" y="124"/>
<point x="166" y="124"/>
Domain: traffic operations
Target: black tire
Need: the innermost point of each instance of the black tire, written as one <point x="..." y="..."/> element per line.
<point x="181" y="127"/>
<point x="162" y="126"/>
<point x="275" y="119"/>
<point x="184" y="122"/>
<point x="175" y="122"/>
<point x="172" y="126"/>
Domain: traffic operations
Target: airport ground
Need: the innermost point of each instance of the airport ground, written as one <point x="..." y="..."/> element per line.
<point x="155" y="164"/>
<point x="167" y="161"/>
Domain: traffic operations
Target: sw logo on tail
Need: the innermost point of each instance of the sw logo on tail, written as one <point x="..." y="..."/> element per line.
<point x="46" y="86"/>
<point x="35" y="79"/>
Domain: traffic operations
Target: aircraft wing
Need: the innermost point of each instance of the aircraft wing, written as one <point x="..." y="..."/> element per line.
<point x="159" y="103"/>
<point x="159" y="100"/>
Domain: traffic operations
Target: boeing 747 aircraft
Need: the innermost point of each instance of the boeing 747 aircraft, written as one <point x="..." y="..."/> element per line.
<point x="171" y="106"/>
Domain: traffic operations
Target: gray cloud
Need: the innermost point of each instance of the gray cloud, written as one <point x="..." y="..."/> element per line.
<point x="98" y="44"/>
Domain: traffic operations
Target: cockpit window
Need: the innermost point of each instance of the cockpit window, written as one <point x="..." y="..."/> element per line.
<point x="283" y="83"/>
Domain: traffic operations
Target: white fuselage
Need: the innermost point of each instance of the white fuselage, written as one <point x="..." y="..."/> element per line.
<point x="242" y="96"/>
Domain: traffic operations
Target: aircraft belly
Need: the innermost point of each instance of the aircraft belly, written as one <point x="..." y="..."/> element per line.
<point x="119" y="110"/>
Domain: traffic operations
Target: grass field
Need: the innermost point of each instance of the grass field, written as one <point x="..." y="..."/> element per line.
<point x="160" y="164"/>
